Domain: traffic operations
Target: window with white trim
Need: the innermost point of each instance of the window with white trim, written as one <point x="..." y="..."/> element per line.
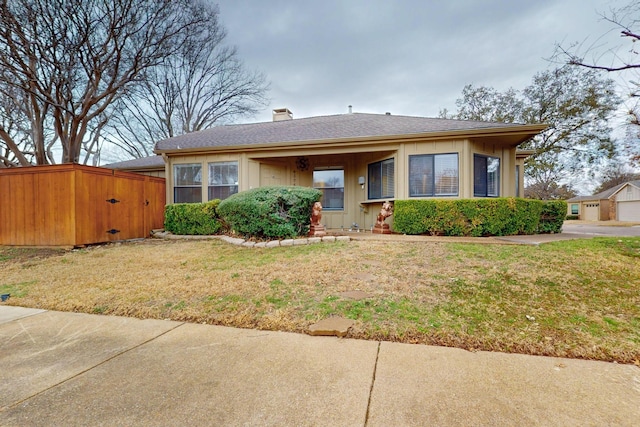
<point x="381" y="179"/>
<point x="331" y="182"/>
<point x="433" y="175"/>
<point x="486" y="176"/>
<point x="187" y="183"/>
<point x="223" y="180"/>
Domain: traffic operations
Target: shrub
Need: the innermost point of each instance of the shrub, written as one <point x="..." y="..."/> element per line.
<point x="572" y="217"/>
<point x="468" y="217"/>
<point x="552" y="217"/>
<point x="193" y="218"/>
<point x="270" y="212"/>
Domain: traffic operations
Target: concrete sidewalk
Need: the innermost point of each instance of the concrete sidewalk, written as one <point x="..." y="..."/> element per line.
<point x="77" y="369"/>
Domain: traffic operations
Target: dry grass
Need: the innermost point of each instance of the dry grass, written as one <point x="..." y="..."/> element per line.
<point x="574" y="299"/>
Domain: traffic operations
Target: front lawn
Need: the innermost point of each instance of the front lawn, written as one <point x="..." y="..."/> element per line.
<point x="577" y="298"/>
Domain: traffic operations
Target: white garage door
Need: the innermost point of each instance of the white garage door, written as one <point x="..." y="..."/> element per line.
<point x="591" y="211"/>
<point x="629" y="211"/>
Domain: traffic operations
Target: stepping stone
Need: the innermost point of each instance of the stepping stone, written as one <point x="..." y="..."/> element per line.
<point x="332" y="326"/>
<point x="355" y="295"/>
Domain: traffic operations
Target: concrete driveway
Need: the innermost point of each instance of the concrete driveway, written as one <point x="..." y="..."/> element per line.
<point x="598" y="230"/>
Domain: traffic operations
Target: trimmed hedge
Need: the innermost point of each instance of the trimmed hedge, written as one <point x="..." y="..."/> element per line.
<point x="477" y="217"/>
<point x="193" y="218"/>
<point x="553" y="215"/>
<point x="278" y="212"/>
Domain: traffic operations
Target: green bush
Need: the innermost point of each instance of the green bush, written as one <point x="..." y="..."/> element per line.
<point x="552" y="217"/>
<point x="193" y="218"/>
<point x="572" y="217"/>
<point x="468" y="217"/>
<point x="270" y="212"/>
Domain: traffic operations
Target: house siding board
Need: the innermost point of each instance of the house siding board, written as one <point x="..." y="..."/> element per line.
<point x="365" y="139"/>
<point x="258" y="167"/>
<point x="628" y="193"/>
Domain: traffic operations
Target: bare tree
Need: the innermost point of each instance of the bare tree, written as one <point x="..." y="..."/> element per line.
<point x="617" y="173"/>
<point x="66" y="63"/>
<point x="626" y="21"/>
<point x="202" y="85"/>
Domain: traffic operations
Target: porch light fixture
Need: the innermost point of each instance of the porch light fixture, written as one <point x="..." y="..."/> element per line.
<point x="361" y="181"/>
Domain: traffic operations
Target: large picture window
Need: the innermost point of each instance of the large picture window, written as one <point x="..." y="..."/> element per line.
<point x="433" y="175"/>
<point x="187" y="183"/>
<point x="486" y="176"/>
<point x="381" y="182"/>
<point x="331" y="183"/>
<point x="223" y="179"/>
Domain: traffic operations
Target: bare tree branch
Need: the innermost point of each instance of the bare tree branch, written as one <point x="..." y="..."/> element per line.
<point x="73" y="60"/>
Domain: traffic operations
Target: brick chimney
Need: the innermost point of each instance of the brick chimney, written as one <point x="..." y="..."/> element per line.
<point x="280" y="114"/>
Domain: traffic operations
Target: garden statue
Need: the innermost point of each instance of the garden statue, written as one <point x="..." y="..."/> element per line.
<point x="316" y="229"/>
<point x="381" y="227"/>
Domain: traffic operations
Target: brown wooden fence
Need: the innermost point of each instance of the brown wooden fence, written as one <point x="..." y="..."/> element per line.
<point x="75" y="205"/>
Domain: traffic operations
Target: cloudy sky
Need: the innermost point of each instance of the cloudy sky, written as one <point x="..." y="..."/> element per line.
<point x="407" y="57"/>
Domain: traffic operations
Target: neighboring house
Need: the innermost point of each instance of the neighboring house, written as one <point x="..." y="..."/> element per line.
<point x="151" y="166"/>
<point x="621" y="203"/>
<point x="357" y="160"/>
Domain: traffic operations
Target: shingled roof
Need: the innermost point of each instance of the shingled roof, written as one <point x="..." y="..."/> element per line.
<point x="151" y="162"/>
<point x="322" y="128"/>
<point x="604" y="194"/>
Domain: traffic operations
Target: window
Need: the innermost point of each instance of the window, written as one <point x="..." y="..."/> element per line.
<point x="381" y="179"/>
<point x="433" y="175"/>
<point x="187" y="183"/>
<point x="486" y="176"/>
<point x="574" y="209"/>
<point x="331" y="183"/>
<point x="223" y="179"/>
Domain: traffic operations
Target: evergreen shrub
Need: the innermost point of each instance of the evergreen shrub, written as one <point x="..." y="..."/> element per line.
<point x="278" y="212"/>
<point x="474" y="217"/>
<point x="193" y="218"/>
<point x="553" y="215"/>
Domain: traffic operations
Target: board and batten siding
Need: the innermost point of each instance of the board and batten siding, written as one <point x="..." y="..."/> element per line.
<point x="277" y="166"/>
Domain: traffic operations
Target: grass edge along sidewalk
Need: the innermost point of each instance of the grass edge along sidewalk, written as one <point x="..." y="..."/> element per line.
<point x="575" y="299"/>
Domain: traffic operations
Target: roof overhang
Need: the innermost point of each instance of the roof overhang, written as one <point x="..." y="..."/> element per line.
<point x="504" y="136"/>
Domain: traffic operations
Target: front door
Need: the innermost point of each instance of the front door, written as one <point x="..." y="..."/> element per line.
<point x="271" y="174"/>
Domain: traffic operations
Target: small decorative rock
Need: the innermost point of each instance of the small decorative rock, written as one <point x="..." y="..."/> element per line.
<point x="343" y="239"/>
<point x="287" y="242"/>
<point x="298" y="242"/>
<point x="332" y="326"/>
<point x="314" y="240"/>
<point x="232" y="240"/>
<point x="329" y="239"/>
<point x="273" y="244"/>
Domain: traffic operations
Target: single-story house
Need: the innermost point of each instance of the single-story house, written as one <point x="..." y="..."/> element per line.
<point x="621" y="203"/>
<point x="357" y="160"/>
<point x="151" y="166"/>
